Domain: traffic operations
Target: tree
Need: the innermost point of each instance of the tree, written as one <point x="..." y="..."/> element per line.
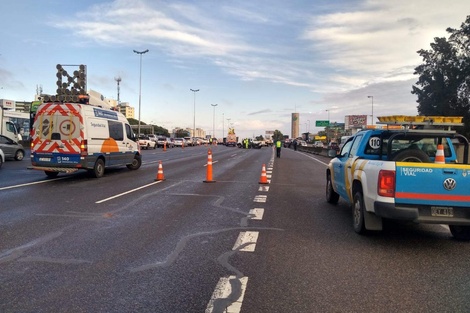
<point x="443" y="87"/>
<point x="259" y="138"/>
<point x="181" y="133"/>
<point x="277" y="135"/>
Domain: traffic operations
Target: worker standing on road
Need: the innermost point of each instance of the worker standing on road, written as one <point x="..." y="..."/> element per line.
<point x="295" y="144"/>
<point x="246" y="143"/>
<point x="278" y="148"/>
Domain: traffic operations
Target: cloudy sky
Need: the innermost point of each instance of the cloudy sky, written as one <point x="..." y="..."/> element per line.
<point x="258" y="60"/>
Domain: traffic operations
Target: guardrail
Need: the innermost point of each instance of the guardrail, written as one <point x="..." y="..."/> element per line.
<point x="317" y="150"/>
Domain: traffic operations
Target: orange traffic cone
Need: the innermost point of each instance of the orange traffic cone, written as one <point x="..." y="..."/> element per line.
<point x="440" y="155"/>
<point x="160" y="172"/>
<point x="263" y="179"/>
<point x="209" y="168"/>
<point x="164" y="146"/>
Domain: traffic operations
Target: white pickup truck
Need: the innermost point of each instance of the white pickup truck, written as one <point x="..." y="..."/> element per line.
<point x="146" y="143"/>
<point x="408" y="173"/>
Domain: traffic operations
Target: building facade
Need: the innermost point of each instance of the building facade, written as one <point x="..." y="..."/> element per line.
<point x="295" y="125"/>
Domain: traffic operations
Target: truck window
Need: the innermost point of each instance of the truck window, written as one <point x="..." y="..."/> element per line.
<point x="355" y="145"/>
<point x="115" y="130"/>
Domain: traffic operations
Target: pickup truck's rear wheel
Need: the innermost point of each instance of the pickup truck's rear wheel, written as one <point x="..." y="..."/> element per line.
<point x="411" y="155"/>
<point x="460" y="232"/>
<point x="331" y="195"/>
<point x="358" y="213"/>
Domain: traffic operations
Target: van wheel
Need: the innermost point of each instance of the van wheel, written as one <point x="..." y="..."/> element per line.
<point x="19" y="155"/>
<point x="98" y="169"/>
<point x="51" y="174"/>
<point x="136" y="163"/>
<point x="460" y="232"/>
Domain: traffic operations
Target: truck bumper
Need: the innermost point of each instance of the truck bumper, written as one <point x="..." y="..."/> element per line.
<point x="421" y="214"/>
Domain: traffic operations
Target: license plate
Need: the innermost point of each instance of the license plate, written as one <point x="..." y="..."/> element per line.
<point x="442" y="211"/>
<point x="44" y="159"/>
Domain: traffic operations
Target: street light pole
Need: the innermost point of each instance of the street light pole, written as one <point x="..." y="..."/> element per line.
<point x="372" y="97"/>
<point x="328" y="127"/>
<point x="213" y="120"/>
<point x="194" y="116"/>
<point x="140" y="84"/>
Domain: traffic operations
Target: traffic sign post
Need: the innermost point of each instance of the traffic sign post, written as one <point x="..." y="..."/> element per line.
<point x="322" y="123"/>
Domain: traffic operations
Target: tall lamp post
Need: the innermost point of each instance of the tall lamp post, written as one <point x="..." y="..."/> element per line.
<point x="213" y="120"/>
<point x="194" y="116"/>
<point x="140" y="84"/>
<point x="328" y="128"/>
<point x="372" y="98"/>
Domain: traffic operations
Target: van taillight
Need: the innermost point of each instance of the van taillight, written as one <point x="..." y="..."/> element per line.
<point x="386" y="183"/>
<point x="84" y="147"/>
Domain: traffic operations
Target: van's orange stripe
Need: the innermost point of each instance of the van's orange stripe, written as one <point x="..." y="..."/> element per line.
<point x="427" y="196"/>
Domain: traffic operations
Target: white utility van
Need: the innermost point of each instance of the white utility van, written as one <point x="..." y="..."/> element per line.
<point x="67" y="137"/>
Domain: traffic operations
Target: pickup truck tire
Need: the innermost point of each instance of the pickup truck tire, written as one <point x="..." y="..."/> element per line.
<point x="358" y="213"/>
<point x="460" y="232"/>
<point x="331" y="196"/>
<point x="411" y="155"/>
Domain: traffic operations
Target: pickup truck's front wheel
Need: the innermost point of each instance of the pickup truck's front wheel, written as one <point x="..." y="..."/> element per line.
<point x="460" y="232"/>
<point x="358" y="213"/>
<point x="331" y="195"/>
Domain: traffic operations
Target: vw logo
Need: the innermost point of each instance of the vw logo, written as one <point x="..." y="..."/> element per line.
<point x="449" y="184"/>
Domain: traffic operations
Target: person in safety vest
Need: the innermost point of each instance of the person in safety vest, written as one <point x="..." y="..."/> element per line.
<point x="278" y="148"/>
<point x="246" y="143"/>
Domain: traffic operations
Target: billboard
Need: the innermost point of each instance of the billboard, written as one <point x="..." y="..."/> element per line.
<point x="355" y="121"/>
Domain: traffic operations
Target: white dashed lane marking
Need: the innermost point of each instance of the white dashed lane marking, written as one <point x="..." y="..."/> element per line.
<point x="246" y="241"/>
<point x="256" y="214"/>
<point x="223" y="291"/>
<point x="260" y="198"/>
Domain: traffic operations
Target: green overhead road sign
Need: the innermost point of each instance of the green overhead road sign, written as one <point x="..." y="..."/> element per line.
<point x="322" y="123"/>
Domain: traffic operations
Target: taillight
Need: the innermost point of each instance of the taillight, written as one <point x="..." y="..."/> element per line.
<point x="84" y="147"/>
<point x="386" y="183"/>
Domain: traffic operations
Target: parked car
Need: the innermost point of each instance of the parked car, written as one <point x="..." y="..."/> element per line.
<point x="146" y="143"/>
<point x="318" y="144"/>
<point x="188" y="141"/>
<point x="161" y="141"/>
<point x="2" y="158"/>
<point x="153" y="137"/>
<point x="333" y="146"/>
<point x="11" y="148"/>
<point x="178" y="142"/>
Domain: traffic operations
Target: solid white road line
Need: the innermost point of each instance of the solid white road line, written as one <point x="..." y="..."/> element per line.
<point x="130" y="191"/>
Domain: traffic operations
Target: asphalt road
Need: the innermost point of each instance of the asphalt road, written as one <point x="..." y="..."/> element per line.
<point x="128" y="243"/>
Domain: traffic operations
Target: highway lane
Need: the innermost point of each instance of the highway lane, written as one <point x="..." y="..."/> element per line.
<point x="180" y="244"/>
<point x="154" y="249"/>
